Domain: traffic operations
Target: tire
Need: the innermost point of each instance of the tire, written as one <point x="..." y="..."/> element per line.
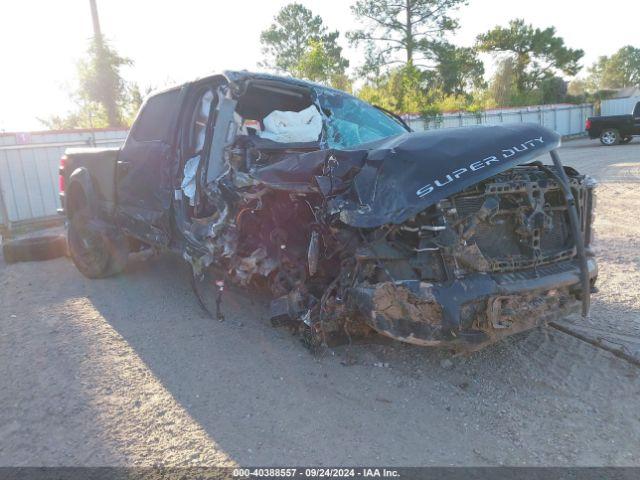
<point x="609" y="137"/>
<point x="625" y="140"/>
<point x="34" y="249"/>
<point x="94" y="253"/>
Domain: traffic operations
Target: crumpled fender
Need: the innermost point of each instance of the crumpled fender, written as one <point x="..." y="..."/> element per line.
<point x="297" y="171"/>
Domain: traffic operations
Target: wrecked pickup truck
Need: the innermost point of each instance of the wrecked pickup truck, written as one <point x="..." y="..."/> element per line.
<point x="356" y="224"/>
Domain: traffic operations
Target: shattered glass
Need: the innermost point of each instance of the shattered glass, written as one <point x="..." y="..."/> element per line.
<point x="351" y="122"/>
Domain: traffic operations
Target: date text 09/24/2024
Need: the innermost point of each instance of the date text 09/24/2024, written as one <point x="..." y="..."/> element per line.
<point x="316" y="472"/>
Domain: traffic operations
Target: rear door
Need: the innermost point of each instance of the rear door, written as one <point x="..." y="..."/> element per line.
<point x="144" y="182"/>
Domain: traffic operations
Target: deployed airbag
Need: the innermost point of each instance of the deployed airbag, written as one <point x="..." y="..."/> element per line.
<point x="289" y="127"/>
<point x="189" y="180"/>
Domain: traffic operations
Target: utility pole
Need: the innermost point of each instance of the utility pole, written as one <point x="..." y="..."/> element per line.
<point x="103" y="64"/>
<point x="96" y="20"/>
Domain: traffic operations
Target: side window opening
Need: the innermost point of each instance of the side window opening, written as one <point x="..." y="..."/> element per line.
<point x="194" y="140"/>
<point x="155" y="118"/>
<point x="281" y="113"/>
<point x="260" y="99"/>
<point x="266" y="112"/>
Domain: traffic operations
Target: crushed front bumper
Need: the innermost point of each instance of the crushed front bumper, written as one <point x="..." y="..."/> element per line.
<point x="472" y="311"/>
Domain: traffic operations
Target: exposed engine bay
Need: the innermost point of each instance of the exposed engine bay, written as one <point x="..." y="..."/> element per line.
<point x="358" y="226"/>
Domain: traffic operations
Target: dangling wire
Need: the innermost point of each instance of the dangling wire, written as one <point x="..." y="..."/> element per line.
<point x="197" y="294"/>
<point x="219" y="290"/>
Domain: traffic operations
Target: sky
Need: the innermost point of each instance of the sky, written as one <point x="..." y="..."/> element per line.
<point x="176" y="41"/>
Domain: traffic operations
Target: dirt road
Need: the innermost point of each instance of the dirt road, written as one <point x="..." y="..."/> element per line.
<point x="127" y="371"/>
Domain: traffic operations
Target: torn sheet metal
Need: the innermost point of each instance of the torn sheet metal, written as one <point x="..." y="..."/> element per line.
<point x="300" y="171"/>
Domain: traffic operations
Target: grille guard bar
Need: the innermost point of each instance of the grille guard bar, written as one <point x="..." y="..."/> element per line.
<point x="561" y="176"/>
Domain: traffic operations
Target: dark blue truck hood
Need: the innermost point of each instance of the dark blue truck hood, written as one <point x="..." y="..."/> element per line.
<point x="405" y="174"/>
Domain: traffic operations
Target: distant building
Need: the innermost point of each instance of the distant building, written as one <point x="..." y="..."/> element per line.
<point x="626" y="92"/>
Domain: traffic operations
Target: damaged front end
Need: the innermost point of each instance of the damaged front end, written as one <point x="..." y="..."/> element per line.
<point x="495" y="259"/>
<point x="453" y="237"/>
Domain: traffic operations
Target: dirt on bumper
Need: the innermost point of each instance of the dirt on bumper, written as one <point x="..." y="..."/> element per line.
<point x="472" y="312"/>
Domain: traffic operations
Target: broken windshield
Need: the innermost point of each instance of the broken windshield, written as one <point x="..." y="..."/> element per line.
<point x="351" y="122"/>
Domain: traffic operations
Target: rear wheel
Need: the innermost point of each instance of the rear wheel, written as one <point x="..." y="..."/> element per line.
<point x="610" y="136"/>
<point x="95" y="253"/>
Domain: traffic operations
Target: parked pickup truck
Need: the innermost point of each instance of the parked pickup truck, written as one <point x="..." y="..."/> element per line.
<point x="357" y="225"/>
<point x="614" y="129"/>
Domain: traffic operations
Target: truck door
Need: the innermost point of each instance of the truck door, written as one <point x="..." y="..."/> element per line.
<point x="636" y="119"/>
<point x="224" y="130"/>
<point x="144" y="172"/>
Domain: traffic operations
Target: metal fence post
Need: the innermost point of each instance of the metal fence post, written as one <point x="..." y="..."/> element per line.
<point x="5" y="225"/>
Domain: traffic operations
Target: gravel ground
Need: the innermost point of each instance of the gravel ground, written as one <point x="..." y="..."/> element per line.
<point x="615" y="316"/>
<point x="127" y="371"/>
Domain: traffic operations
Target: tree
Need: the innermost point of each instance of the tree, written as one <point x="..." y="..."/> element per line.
<point x="553" y="90"/>
<point x="537" y="54"/>
<point x="594" y="82"/>
<point x="297" y="42"/>
<point x="102" y="98"/>
<point x="577" y="88"/>
<point x="319" y="65"/>
<point x="503" y="84"/>
<point x="620" y="70"/>
<point x="458" y="69"/>
<point x="100" y="79"/>
<point x="404" y="28"/>
<point x="401" y="89"/>
<point x="135" y="98"/>
<point x="406" y="50"/>
<point x="623" y="68"/>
